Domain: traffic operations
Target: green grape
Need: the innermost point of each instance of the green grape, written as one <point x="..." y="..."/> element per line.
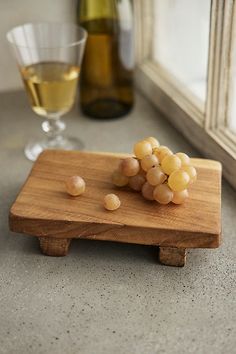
<point x="155" y="176"/>
<point x="149" y="161"/>
<point x="111" y="202"/>
<point x="191" y="171"/>
<point x="178" y="180"/>
<point x="136" y="182"/>
<point x="147" y="191"/>
<point x="163" y="194"/>
<point x="118" y="179"/>
<point x="185" y="159"/>
<point x="75" y="185"/>
<point x="170" y="163"/>
<point x="129" y="166"/>
<point x="161" y="152"/>
<point x="180" y="197"/>
<point x="142" y="148"/>
<point x="153" y="141"/>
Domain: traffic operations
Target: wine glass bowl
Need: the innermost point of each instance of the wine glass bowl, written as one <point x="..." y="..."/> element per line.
<point x="49" y="56"/>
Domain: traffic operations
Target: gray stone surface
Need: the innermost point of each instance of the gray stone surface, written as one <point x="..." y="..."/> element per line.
<point x="104" y="297"/>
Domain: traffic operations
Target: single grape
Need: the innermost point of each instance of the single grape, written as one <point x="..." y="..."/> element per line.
<point x="147" y="191"/>
<point x="191" y="171"/>
<point x="163" y="194"/>
<point x="136" y="182"/>
<point x="111" y="202"/>
<point x="142" y="148"/>
<point x="161" y="152"/>
<point x="75" y="185"/>
<point x="118" y="179"/>
<point x="153" y="141"/>
<point x="180" y="197"/>
<point x="155" y="176"/>
<point x="129" y="166"/>
<point x="170" y="163"/>
<point x="149" y="161"/>
<point x="185" y="159"/>
<point x="178" y="180"/>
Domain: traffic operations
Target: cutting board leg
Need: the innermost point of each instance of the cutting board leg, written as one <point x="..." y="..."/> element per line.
<point x="172" y="256"/>
<point x="52" y="246"/>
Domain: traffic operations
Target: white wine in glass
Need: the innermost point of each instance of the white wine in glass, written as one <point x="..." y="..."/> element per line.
<point x="51" y="87"/>
<point x="49" y="58"/>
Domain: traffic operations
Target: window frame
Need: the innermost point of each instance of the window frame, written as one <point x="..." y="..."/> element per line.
<point x="204" y="126"/>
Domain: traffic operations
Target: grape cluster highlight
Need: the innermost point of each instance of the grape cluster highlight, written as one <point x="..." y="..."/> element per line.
<point x="156" y="172"/>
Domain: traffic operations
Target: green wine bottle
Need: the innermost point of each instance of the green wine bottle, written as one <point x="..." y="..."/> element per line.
<point x="106" y="82"/>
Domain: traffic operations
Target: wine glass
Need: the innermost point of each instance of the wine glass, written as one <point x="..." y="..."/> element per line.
<point x="49" y="56"/>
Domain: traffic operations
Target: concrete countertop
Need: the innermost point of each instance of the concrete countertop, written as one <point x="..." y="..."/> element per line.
<point x="108" y="298"/>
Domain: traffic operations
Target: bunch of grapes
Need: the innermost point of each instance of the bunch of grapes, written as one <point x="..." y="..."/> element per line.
<point x="156" y="172"/>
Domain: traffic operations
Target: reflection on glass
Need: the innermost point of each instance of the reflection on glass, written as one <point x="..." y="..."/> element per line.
<point x="181" y="40"/>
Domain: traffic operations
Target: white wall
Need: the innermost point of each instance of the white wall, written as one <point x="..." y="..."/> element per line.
<point x="16" y="12"/>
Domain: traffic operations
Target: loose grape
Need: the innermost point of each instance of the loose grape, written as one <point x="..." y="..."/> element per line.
<point x="75" y="185"/>
<point x="153" y="141"/>
<point x="129" y="166"/>
<point x="118" y="179"/>
<point x="179" y="197"/>
<point x="163" y="194"/>
<point x="170" y="163"/>
<point x="155" y="176"/>
<point x="185" y="159"/>
<point x="178" y="180"/>
<point x="161" y="152"/>
<point x="191" y="171"/>
<point x="136" y="182"/>
<point x="111" y="202"/>
<point x="142" y="148"/>
<point x="147" y="191"/>
<point x="149" y="161"/>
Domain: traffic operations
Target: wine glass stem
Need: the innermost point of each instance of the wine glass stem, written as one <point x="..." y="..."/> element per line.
<point x="53" y="127"/>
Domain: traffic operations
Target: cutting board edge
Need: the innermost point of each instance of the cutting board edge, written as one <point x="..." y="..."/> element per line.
<point x="113" y="232"/>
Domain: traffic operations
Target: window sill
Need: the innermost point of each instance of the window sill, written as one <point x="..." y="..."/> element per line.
<point x="210" y="143"/>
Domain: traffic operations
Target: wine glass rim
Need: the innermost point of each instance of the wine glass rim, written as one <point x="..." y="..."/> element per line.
<point x="34" y="24"/>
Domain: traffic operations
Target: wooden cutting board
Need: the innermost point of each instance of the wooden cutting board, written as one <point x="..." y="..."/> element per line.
<point x="44" y="209"/>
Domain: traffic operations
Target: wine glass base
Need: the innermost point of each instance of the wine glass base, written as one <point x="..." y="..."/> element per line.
<point x="34" y="148"/>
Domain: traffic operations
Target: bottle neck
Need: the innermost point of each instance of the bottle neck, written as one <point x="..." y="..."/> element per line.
<point x="97" y="9"/>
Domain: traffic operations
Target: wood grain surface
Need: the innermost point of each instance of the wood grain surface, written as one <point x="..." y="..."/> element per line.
<point x="44" y="209"/>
